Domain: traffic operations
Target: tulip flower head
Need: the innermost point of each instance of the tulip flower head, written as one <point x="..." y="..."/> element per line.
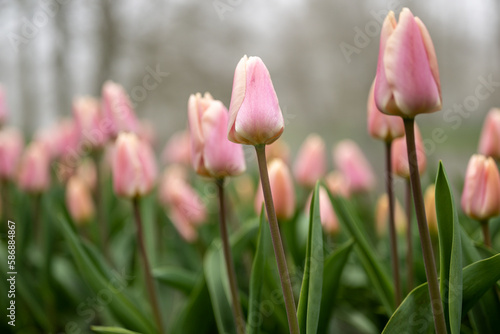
<point x="278" y="150"/>
<point x="430" y="208"/>
<point x="310" y="164"/>
<point x="212" y="154"/>
<point x="178" y="149"/>
<point x="255" y="114"/>
<point x="79" y="201"/>
<point x="117" y="109"/>
<point x="338" y="184"/>
<point x="407" y="82"/>
<point x="481" y="194"/>
<point x="87" y="172"/>
<point x="382" y="216"/>
<point x="353" y="164"/>
<point x="88" y="119"/>
<point x="133" y="166"/>
<point x="489" y="143"/>
<point x="34" y="170"/>
<point x="399" y="155"/>
<point x="11" y="147"/>
<point x="329" y="219"/>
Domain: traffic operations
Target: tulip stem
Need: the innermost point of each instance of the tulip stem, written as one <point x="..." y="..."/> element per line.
<point x="231" y="274"/>
<point x="392" y="226"/>
<point x="486" y="232"/>
<point x="147" y="270"/>
<point x="425" y="238"/>
<point x="409" y="237"/>
<point x="279" y="253"/>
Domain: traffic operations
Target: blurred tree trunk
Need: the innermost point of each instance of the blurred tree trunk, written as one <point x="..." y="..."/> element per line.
<point x="108" y="41"/>
<point x="62" y="73"/>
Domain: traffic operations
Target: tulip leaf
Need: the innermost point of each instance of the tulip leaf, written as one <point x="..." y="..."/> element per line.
<point x="365" y="252"/>
<point x="414" y="315"/>
<point x="450" y="252"/>
<point x="178" y="278"/>
<point x="312" y="283"/>
<point x="111" y="330"/>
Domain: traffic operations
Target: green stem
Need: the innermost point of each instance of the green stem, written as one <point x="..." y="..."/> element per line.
<point x="392" y="226"/>
<point x="409" y="236"/>
<point x="147" y="270"/>
<point x="425" y="239"/>
<point x="231" y="274"/>
<point x="279" y="253"/>
<point x="485" y="227"/>
<point x="103" y="230"/>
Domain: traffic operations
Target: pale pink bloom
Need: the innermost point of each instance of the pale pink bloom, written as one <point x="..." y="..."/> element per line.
<point x="79" y="201"/>
<point x="399" y="155"/>
<point x="481" y="194"/>
<point x="212" y="154"/>
<point x="11" y="147"/>
<point x="338" y="184"/>
<point x="67" y="139"/>
<point x="146" y="131"/>
<point x="133" y="166"/>
<point x="87" y="172"/>
<point x="430" y="208"/>
<point x="407" y="82"/>
<point x="489" y="143"/>
<point x="34" y="170"/>
<point x="4" y="113"/>
<point x="329" y="219"/>
<point x="382" y="126"/>
<point x="118" y="110"/>
<point x="178" y="149"/>
<point x="282" y="189"/>
<point x="89" y="121"/>
<point x="278" y="150"/>
<point x="310" y="164"/>
<point x="353" y="164"/>
<point x="255" y="114"/>
<point x="382" y="216"/>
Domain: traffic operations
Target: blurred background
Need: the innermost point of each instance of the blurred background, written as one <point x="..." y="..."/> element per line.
<point x="321" y="55"/>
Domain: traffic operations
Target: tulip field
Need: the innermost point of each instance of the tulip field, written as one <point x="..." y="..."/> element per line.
<point x="102" y="234"/>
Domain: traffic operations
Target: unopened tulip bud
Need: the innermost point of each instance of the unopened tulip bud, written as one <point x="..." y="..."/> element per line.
<point x="382" y="216"/>
<point x="430" y="208"/>
<point x="481" y="194"/>
<point x="278" y="150"/>
<point x="310" y="164"/>
<point x="407" y="82"/>
<point x="89" y="120"/>
<point x="117" y="109"/>
<point x="11" y="147"/>
<point x="255" y="114"/>
<point x="178" y="149"/>
<point x="282" y="189"/>
<point x="79" y="201"/>
<point x="87" y="172"/>
<point x="133" y="166"/>
<point x="338" y="184"/>
<point x="353" y="164"/>
<point x="489" y="144"/>
<point x="329" y="219"/>
<point x="399" y="155"/>
<point x="34" y="171"/>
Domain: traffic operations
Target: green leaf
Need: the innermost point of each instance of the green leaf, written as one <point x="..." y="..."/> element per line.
<point x="334" y="265"/>
<point x="260" y="262"/>
<point x="312" y="283"/>
<point x="111" y="330"/>
<point x="414" y="315"/>
<point x="179" y="278"/>
<point x="365" y="252"/>
<point x="450" y="251"/>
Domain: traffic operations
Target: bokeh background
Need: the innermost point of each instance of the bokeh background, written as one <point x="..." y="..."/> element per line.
<point x="321" y="55"/>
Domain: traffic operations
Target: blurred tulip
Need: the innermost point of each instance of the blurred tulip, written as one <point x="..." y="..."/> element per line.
<point x="3" y="107"/>
<point x="489" y="144"/>
<point x="481" y="194"/>
<point x="88" y="120"/>
<point x="117" y="110"/>
<point x="329" y="219"/>
<point x="430" y="208"/>
<point x="79" y="201"/>
<point x="382" y="126"/>
<point x="310" y="164"/>
<point x="146" y="131"/>
<point x="407" y="82"/>
<point x="11" y="147"/>
<point x="338" y="184"/>
<point x="133" y="167"/>
<point x="245" y="188"/>
<point x="178" y="149"/>
<point x="34" y="170"/>
<point x="382" y="216"/>
<point x="67" y="139"/>
<point x="353" y="164"/>
<point x="282" y="189"/>
<point x="87" y="172"/>
<point x="278" y="150"/>
<point x="399" y="155"/>
<point x="212" y="154"/>
<point x="255" y="115"/>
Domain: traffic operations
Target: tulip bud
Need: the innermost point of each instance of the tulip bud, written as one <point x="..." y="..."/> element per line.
<point x="255" y="115"/>
<point x="3" y="107"/>
<point x="212" y="154"/>
<point x="329" y="219"/>
<point x="87" y="172"/>
<point x="282" y="190"/>
<point x="310" y="164"/>
<point x="382" y="126"/>
<point x="489" y="143"/>
<point x="338" y="184"/>
<point x="382" y="216"/>
<point x="79" y="201"/>
<point x="430" y="208"/>
<point x="399" y="155"/>
<point x="353" y="164"/>
<point x="133" y="166"/>
<point x="88" y="119"/>
<point x="244" y="188"/>
<point x="34" y="171"/>
<point x="406" y="50"/>
<point x="178" y="149"/>
<point x="66" y="139"/>
<point x="481" y="194"/>
<point x="11" y="146"/>
<point x="278" y="150"/>
<point x="117" y="109"/>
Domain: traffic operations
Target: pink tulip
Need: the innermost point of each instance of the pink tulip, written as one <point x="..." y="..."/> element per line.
<point x="353" y="164"/>
<point x="211" y="152"/>
<point x="481" y="194"/>
<point x="407" y="82"/>
<point x="133" y="166"/>
<point x="278" y="150"/>
<point x="3" y="107"/>
<point x="255" y="115"/>
<point x="11" y="147"/>
<point x="87" y="172"/>
<point x="338" y="184"/>
<point x="79" y="201"/>
<point x="282" y="189"/>
<point x="89" y="120"/>
<point x="310" y="164"/>
<point x="489" y="143"/>
<point x="34" y="171"/>
<point x="382" y="126"/>
<point x="399" y="155"/>
<point x="382" y="216"/>
<point x="117" y="109"/>
<point x="178" y="149"/>
<point x="329" y="219"/>
<point x="67" y="138"/>
<point x="430" y="209"/>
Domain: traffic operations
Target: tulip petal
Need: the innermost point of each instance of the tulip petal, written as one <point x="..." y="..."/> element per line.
<point x="237" y="96"/>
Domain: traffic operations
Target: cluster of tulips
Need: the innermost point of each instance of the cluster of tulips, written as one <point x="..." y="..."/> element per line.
<point x="307" y="219"/>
